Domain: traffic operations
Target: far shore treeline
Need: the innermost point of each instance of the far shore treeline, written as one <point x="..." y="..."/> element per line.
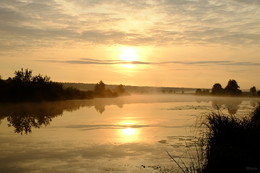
<point x="26" y="87"/>
<point x="232" y="89"/>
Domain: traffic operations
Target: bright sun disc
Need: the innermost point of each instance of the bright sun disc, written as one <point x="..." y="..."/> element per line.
<point x="129" y="54"/>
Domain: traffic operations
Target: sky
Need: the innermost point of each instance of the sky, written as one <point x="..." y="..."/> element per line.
<point x="172" y="43"/>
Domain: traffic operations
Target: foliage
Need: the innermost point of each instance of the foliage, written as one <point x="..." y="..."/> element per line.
<point x="258" y="93"/>
<point x="26" y="87"/>
<point x="100" y="90"/>
<point x="253" y="91"/>
<point x="217" y="89"/>
<point x="232" y="88"/>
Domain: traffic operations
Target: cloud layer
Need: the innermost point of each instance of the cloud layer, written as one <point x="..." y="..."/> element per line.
<point x="121" y="62"/>
<point x="150" y="22"/>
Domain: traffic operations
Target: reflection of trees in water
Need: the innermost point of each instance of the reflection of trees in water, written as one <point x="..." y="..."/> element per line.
<point x="100" y="108"/>
<point x="100" y="104"/>
<point x="25" y="116"/>
<point x="24" y="123"/>
<point x="231" y="105"/>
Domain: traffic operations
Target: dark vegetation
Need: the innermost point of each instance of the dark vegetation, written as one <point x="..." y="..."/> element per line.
<point x="26" y="87"/>
<point x="232" y="144"/>
<point x="229" y="144"/>
<point x="232" y="89"/>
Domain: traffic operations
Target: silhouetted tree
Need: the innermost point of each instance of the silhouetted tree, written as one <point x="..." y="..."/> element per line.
<point x="253" y="91"/>
<point x="2" y="87"/>
<point x="26" y="87"/>
<point x="232" y="88"/>
<point x="217" y="89"/>
<point x="258" y="93"/>
<point x="41" y="79"/>
<point x="100" y="89"/>
<point x="23" y="76"/>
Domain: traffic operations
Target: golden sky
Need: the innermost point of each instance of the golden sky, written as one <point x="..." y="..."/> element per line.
<point x="178" y="43"/>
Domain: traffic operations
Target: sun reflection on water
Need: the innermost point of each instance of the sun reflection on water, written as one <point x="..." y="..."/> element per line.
<point x="129" y="133"/>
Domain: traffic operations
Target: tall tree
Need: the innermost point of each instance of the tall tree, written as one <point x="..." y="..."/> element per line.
<point x="100" y="88"/>
<point x="23" y="76"/>
<point x="232" y="88"/>
<point x="217" y="89"/>
<point x="253" y="91"/>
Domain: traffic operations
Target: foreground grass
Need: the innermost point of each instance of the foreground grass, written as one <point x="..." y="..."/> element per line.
<point x="232" y="144"/>
<point x="229" y="144"/>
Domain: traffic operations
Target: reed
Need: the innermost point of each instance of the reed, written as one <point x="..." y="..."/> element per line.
<point x="228" y="144"/>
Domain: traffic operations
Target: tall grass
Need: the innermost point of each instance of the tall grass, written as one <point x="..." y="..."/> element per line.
<point x="229" y="144"/>
<point x="194" y="164"/>
<point x="232" y="144"/>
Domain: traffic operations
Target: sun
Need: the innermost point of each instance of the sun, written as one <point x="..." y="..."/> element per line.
<point x="129" y="54"/>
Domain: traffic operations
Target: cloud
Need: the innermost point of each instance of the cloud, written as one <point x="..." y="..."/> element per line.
<point x="250" y="2"/>
<point x="119" y="62"/>
<point x="104" y="62"/>
<point x="109" y="126"/>
<point x="29" y="23"/>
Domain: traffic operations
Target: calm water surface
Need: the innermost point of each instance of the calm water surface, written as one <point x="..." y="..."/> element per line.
<point x="126" y="134"/>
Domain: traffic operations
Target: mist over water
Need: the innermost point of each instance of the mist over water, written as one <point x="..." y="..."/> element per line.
<point x="124" y="134"/>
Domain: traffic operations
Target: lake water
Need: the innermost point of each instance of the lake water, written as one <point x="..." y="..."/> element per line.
<point x="125" y="134"/>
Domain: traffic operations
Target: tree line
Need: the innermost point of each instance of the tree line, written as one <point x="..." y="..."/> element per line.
<point x="25" y="86"/>
<point x="232" y="89"/>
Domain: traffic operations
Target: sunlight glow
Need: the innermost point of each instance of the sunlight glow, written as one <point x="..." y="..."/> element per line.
<point x="129" y="131"/>
<point x="129" y="54"/>
<point x="129" y="66"/>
